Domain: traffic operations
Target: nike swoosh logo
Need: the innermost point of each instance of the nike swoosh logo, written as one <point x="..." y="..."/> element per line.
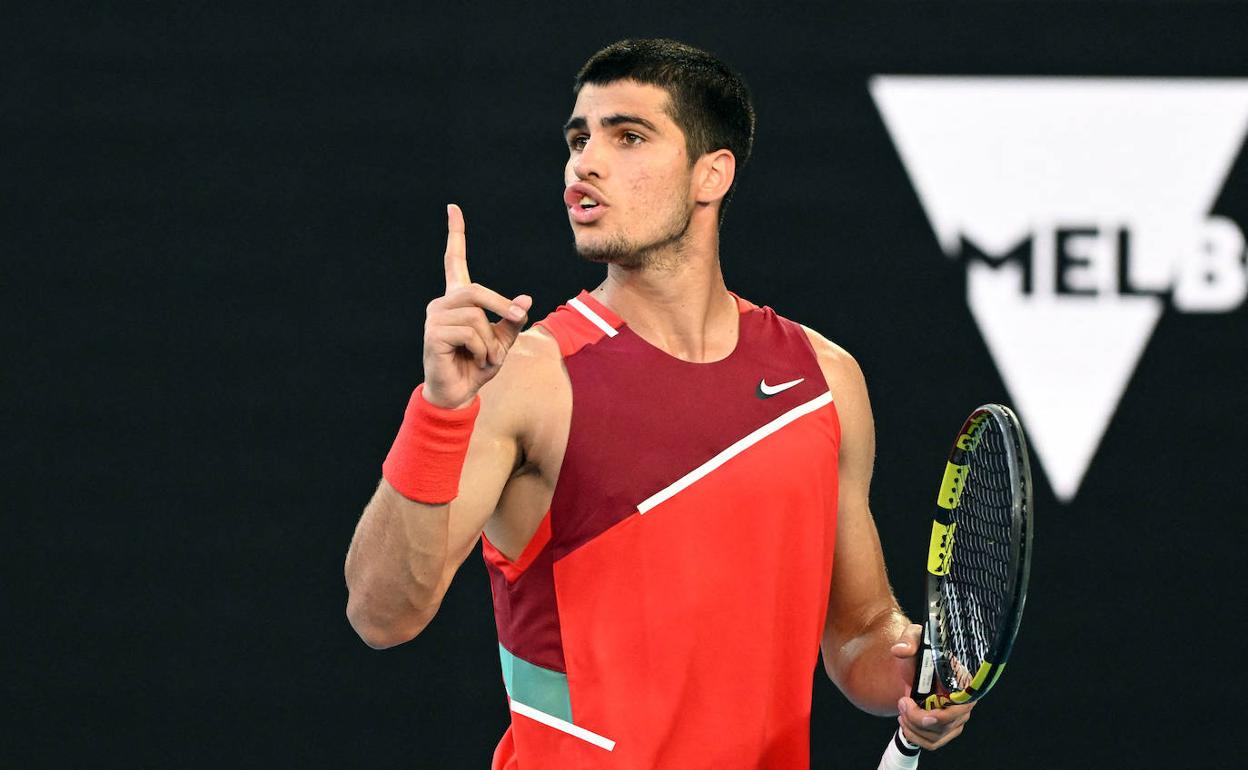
<point x="767" y="391"/>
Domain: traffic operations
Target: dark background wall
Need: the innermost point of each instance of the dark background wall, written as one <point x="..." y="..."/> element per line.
<point x="222" y="223"/>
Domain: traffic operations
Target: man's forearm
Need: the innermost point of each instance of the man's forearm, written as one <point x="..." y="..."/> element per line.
<point x="395" y="567"/>
<point x="865" y="668"/>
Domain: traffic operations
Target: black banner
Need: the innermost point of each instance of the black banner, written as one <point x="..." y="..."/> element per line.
<point x="223" y="225"/>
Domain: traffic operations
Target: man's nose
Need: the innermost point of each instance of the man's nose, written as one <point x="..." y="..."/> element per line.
<point x="590" y="161"/>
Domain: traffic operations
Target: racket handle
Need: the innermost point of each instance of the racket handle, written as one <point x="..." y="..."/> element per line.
<point x="900" y="754"/>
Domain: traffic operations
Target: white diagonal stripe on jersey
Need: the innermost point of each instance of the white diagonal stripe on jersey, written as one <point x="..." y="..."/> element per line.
<point x="732" y="451"/>
<point x="562" y="726"/>
<point x="593" y="317"/>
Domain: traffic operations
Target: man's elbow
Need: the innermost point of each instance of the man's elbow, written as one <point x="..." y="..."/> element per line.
<point x="835" y="666"/>
<point x="383" y="633"/>
<point x="861" y="684"/>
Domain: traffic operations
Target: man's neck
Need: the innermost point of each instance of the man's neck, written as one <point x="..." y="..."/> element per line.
<point x="680" y="306"/>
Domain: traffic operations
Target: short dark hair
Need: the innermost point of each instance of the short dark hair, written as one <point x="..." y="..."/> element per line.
<point x="708" y="101"/>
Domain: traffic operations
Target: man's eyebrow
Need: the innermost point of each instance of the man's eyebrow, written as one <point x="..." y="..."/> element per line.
<point x="618" y="118"/>
<point x="580" y="124"/>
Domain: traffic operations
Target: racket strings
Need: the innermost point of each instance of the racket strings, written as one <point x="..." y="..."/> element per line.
<point x="975" y="592"/>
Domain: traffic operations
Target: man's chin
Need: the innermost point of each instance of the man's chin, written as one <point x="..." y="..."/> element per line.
<point x="608" y="253"/>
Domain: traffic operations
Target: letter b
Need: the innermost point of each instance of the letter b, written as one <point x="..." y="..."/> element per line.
<point x="1211" y="278"/>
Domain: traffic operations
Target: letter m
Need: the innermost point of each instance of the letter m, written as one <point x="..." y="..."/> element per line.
<point x="1020" y="254"/>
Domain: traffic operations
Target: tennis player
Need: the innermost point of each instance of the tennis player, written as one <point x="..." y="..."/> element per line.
<point x="669" y="482"/>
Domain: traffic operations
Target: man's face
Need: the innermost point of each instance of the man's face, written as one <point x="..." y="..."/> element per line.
<point x="628" y="177"/>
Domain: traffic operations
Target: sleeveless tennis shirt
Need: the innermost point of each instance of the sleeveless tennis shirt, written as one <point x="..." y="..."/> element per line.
<point x="669" y="609"/>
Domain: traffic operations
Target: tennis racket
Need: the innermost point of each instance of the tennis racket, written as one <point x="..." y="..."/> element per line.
<point x="978" y="561"/>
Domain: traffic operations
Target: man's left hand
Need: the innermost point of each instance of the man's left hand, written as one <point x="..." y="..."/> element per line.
<point x="926" y="729"/>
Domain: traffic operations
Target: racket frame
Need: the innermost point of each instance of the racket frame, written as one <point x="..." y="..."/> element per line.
<point x="933" y="671"/>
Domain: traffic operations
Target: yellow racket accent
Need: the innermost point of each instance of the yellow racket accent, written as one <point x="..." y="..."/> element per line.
<point x="981" y="675"/>
<point x="935" y="701"/>
<point x="977" y="683"/>
<point x="969" y="440"/>
<point x="940" y="548"/>
<point x="997" y="675"/>
<point x="951" y="486"/>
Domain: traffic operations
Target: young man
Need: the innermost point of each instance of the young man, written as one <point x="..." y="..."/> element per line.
<point x="665" y="474"/>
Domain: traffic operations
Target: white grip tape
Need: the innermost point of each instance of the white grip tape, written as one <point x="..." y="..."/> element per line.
<point x="893" y="759"/>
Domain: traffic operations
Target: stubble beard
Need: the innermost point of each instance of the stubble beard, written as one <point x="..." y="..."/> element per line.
<point x="666" y="251"/>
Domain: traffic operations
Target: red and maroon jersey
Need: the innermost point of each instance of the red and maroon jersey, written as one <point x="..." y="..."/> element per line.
<point x="668" y="611"/>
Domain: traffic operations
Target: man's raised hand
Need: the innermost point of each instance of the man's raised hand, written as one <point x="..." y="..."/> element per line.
<point x="463" y="350"/>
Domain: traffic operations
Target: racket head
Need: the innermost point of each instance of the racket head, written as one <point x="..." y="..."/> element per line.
<point x="979" y="560"/>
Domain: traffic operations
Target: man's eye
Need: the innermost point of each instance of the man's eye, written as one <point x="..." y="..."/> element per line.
<point x="578" y="142"/>
<point x="632" y="138"/>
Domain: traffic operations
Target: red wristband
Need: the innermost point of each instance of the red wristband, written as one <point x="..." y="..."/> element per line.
<point x="428" y="454"/>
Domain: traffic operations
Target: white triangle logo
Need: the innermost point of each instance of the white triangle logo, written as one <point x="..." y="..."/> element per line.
<point x="1081" y="207"/>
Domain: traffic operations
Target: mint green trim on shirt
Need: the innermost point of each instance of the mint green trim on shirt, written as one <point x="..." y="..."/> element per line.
<point x="541" y="688"/>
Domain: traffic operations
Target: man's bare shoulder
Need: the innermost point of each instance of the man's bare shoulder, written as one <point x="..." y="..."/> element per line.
<point x="535" y="356"/>
<point x="531" y="383"/>
<point x="839" y="367"/>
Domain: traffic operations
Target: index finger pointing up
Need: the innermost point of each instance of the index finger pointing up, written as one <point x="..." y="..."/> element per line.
<point x="455" y="259"/>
